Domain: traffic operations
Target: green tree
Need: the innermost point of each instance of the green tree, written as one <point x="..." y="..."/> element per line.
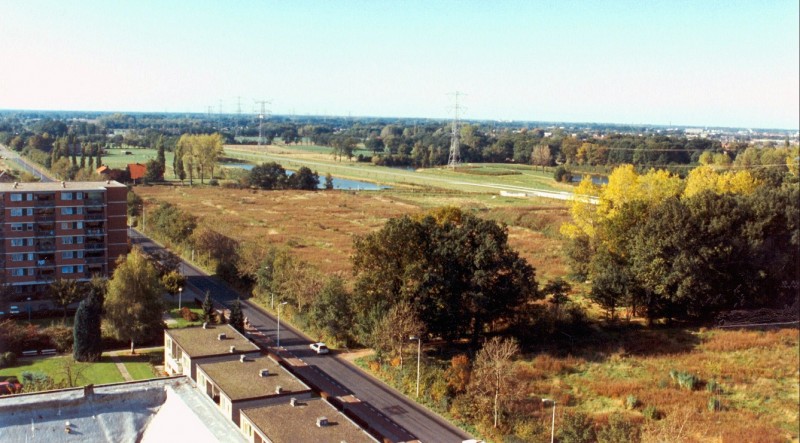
<point x="558" y="290"/>
<point x="456" y="269"/>
<point x="173" y="281"/>
<point x="331" y="312"/>
<point x="65" y="292"/>
<point x="328" y="181"/>
<point x="88" y="340"/>
<point x="154" y="172"/>
<point x="304" y="179"/>
<point x="134" y="304"/>
<point x="237" y="318"/>
<point x="268" y="176"/>
<point x="160" y="156"/>
<point x="208" y="308"/>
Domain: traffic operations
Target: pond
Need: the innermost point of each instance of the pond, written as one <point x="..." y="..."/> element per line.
<point x="596" y="179"/>
<point x="338" y="183"/>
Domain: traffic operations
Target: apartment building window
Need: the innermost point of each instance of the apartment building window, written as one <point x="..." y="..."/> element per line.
<point x="17" y="257"/>
<point x="67" y="254"/>
<point x="66" y="225"/>
<point x="67" y="210"/>
<point x="79" y="196"/>
<point x="66" y="240"/>
<point x="66" y="196"/>
<point x="79" y="240"/>
<point x="16" y="212"/>
<point x="79" y="269"/>
<point x="67" y="269"/>
<point x="16" y="226"/>
<point x="16" y="197"/>
<point x="17" y="242"/>
<point x="79" y="210"/>
<point x="29" y="197"/>
<point x="29" y="227"/>
<point x="18" y="272"/>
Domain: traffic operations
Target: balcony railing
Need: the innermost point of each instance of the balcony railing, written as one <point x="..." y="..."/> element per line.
<point x="45" y="246"/>
<point x="94" y="231"/>
<point x="95" y="260"/>
<point x="95" y="216"/>
<point x="95" y="246"/>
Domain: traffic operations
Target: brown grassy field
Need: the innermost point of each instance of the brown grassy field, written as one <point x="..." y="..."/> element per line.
<point x="319" y="226"/>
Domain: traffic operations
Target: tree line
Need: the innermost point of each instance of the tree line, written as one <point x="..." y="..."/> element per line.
<point x="666" y="247"/>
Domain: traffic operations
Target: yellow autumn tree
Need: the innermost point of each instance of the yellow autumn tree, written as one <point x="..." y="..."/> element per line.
<point x="705" y="178"/>
<point x="583" y="211"/>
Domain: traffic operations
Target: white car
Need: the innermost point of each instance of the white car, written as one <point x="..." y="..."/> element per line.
<point x="319" y="348"/>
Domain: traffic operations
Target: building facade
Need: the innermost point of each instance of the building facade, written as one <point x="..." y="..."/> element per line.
<point x="58" y="230"/>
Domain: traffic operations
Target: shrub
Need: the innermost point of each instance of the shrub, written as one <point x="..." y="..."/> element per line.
<point x="712" y="386"/>
<point x="619" y="430"/>
<point x="577" y="428"/>
<point x="561" y="174"/>
<point x="631" y="402"/>
<point x="684" y="379"/>
<point x="188" y="315"/>
<point x="213" y="182"/>
<point x="60" y="337"/>
<point x="714" y="404"/>
<point x="8" y="359"/>
<point x="651" y="413"/>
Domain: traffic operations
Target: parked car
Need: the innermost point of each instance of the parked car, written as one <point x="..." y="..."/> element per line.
<point x="10" y="386"/>
<point x="319" y="348"/>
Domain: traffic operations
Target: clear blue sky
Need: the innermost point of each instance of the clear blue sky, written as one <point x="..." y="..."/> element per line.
<point x="696" y="62"/>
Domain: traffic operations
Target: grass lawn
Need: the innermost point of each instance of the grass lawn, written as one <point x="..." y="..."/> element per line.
<point x="104" y="371"/>
<point x="140" y="366"/>
<point x="175" y="313"/>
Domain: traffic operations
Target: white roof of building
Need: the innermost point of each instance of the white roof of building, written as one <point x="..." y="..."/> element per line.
<point x="57" y="186"/>
<point x="168" y="409"/>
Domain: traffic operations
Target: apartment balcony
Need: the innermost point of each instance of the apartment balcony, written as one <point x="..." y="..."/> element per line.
<point x="95" y="231"/>
<point x="45" y="246"/>
<point x="94" y="202"/>
<point x="45" y="232"/>
<point x="95" y="260"/>
<point x="95" y="246"/>
<point x="45" y="203"/>
<point x="94" y="216"/>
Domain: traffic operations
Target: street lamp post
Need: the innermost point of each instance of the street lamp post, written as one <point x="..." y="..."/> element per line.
<point x="180" y="297"/>
<point x="419" y="355"/>
<point x="553" y="428"/>
<point x="279" y="322"/>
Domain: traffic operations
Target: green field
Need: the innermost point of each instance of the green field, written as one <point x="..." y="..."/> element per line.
<point x="102" y="372"/>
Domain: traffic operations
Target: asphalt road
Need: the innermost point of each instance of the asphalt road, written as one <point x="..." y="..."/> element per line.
<point x="418" y="421"/>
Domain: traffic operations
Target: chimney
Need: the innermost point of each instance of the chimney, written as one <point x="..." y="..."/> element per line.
<point x="16" y="184"/>
<point x="222" y="336"/>
<point x="293" y="401"/>
<point x="278" y="389"/>
<point x="63" y="185"/>
<point x="205" y="325"/>
<point x="322" y="422"/>
<point x="263" y="373"/>
<point x="88" y="390"/>
<point x="233" y="349"/>
<point x="242" y="358"/>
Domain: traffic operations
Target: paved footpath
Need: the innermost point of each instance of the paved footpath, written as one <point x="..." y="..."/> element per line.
<point x="121" y="366"/>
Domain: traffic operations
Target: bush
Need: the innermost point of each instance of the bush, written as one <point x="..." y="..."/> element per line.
<point x="213" y="182"/>
<point x="619" y="430"/>
<point x="712" y="386"/>
<point x="631" y="402"/>
<point x="60" y="337"/>
<point x="714" y="404"/>
<point x="188" y="315"/>
<point x="561" y="174"/>
<point x="8" y="359"/>
<point x="651" y="413"/>
<point x="577" y="428"/>
<point x="684" y="379"/>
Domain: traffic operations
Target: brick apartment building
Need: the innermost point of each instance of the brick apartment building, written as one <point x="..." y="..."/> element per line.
<point x="58" y="230"/>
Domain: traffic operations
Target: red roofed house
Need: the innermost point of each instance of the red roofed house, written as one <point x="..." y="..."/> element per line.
<point x="137" y="171"/>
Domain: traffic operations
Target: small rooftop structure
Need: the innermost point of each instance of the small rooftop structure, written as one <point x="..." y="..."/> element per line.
<point x="148" y="411"/>
<point x="313" y="420"/>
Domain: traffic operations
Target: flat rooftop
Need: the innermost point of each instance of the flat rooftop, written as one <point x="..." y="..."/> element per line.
<point x="242" y="380"/>
<point x="148" y="411"/>
<point x="286" y="423"/>
<point x="199" y="342"/>
<point x="56" y="186"/>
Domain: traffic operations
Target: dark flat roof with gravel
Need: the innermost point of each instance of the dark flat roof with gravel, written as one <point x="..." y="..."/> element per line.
<point x="199" y="342"/>
<point x="298" y="424"/>
<point x="242" y="380"/>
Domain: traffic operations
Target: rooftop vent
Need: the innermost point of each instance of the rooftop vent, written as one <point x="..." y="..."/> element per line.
<point x="322" y="421"/>
<point x="293" y="401"/>
<point x="16" y="184"/>
<point x="263" y="373"/>
<point x="233" y="349"/>
<point x="63" y="185"/>
<point x="242" y="358"/>
<point x="108" y="182"/>
<point x="222" y="336"/>
<point x="205" y="325"/>
<point x="278" y="389"/>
